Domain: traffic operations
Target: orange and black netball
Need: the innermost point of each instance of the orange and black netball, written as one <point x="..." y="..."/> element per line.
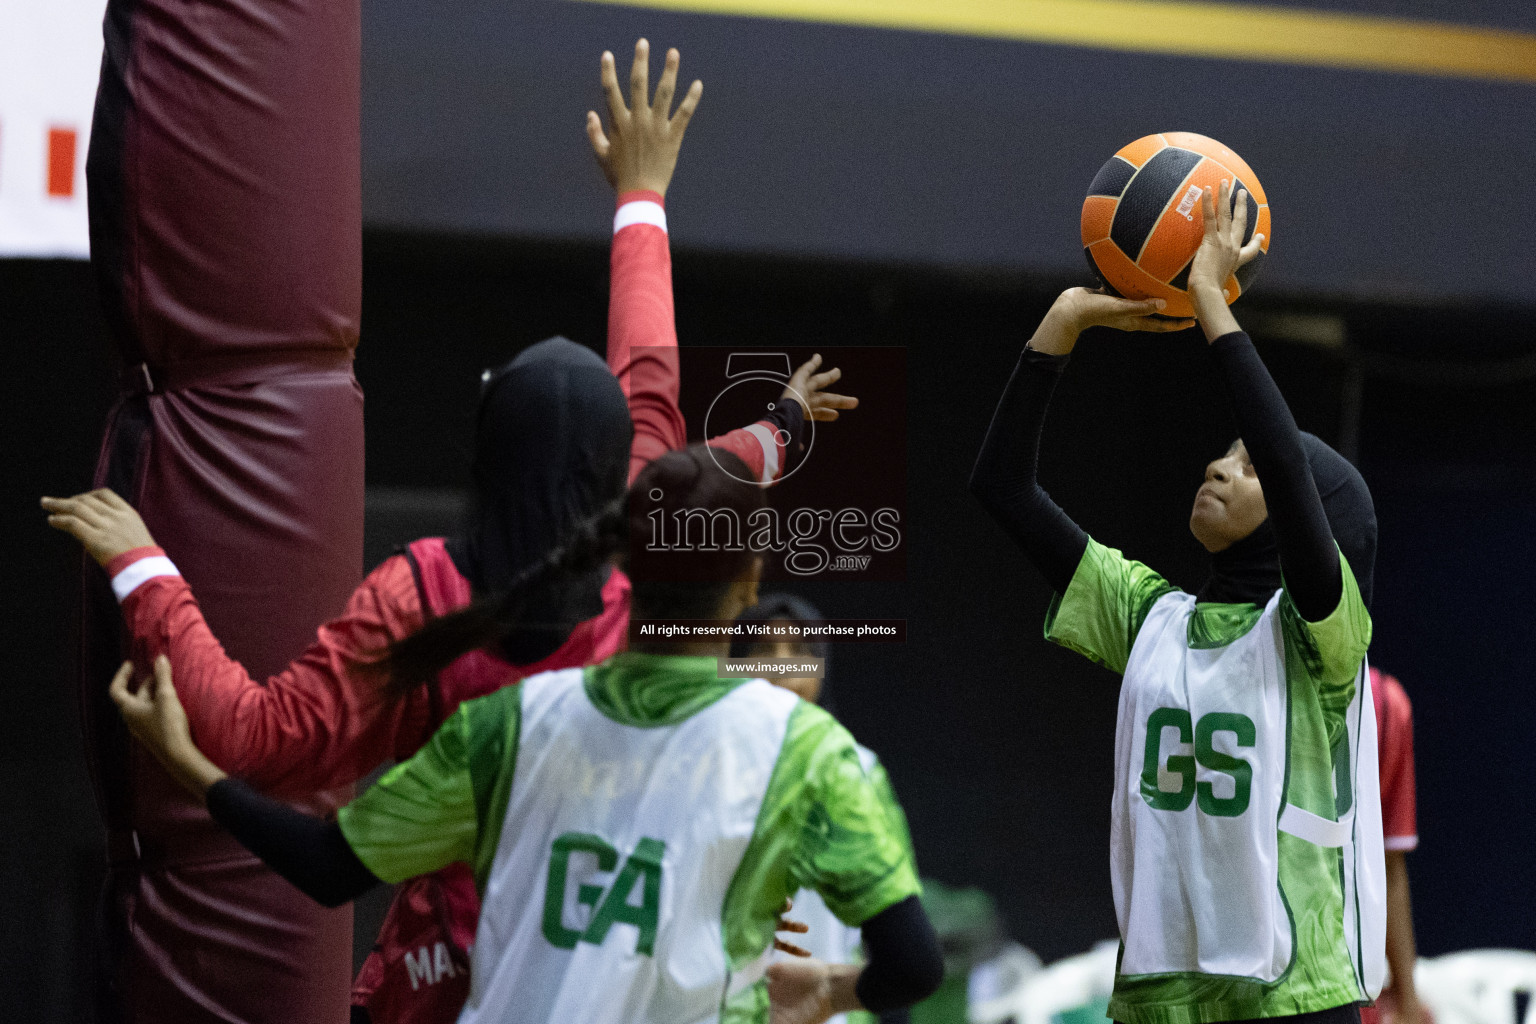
<point x="1142" y="221"/>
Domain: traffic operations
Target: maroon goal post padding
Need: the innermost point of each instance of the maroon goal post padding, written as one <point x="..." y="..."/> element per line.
<point x="223" y="182"/>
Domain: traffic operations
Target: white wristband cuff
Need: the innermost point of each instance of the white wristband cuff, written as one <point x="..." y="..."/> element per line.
<point x="639" y="211"/>
<point x="127" y="581"/>
<point x="770" y="446"/>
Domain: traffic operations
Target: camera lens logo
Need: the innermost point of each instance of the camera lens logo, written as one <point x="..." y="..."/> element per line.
<point x="758" y="381"/>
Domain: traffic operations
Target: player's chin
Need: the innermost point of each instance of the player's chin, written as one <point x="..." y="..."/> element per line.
<point x="1208" y="524"/>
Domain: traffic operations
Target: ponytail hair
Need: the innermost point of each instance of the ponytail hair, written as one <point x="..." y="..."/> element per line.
<point x="678" y="581"/>
<point x="416" y="659"/>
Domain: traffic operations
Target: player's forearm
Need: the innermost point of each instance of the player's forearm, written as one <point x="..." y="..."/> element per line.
<point x="1308" y="556"/>
<point x="1401" y="952"/>
<point x="1004" y="478"/>
<point x="905" y="964"/>
<point x="163" y="617"/>
<point x="770" y="446"/>
<point x="642" y="336"/>
<point x="313" y="726"/>
<point x="192" y="770"/>
<point x="311" y="853"/>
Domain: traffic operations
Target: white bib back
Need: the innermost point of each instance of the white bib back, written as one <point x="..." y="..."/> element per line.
<point x="597" y="807"/>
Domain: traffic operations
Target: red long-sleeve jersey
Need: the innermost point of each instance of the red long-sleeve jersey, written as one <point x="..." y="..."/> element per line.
<point x="316" y="725"/>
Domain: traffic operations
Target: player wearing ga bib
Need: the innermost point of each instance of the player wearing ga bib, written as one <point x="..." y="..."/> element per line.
<point x="639" y="822"/>
<point x="633" y="828"/>
<point x="1246" y="860"/>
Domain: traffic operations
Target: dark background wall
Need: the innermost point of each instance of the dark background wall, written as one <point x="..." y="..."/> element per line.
<point x="999" y="744"/>
<point x="847" y="142"/>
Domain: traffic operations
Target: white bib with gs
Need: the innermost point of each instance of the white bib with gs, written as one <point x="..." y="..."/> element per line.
<point x="1201" y="756"/>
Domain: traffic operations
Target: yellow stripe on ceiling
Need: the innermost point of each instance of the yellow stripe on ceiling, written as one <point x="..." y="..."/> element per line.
<point x="1232" y="31"/>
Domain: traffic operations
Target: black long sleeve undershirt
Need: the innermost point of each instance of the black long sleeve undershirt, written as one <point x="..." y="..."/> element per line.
<point x="1005" y="475"/>
<point x="905" y="964"/>
<point x="308" y="851"/>
<point x="1308" y="557"/>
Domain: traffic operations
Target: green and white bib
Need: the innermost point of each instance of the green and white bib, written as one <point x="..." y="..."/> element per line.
<point x="1246" y="858"/>
<point x="634" y="828"/>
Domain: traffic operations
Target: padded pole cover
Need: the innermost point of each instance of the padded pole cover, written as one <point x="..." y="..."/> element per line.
<point x="224" y="191"/>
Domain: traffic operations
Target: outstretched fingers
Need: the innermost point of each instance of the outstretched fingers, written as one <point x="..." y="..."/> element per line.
<point x="81" y="506"/>
<point x="639" y="76"/>
<point x="687" y="107"/>
<point x="667" y="86"/>
<point x="610" y="78"/>
<point x="596" y="136"/>
<point x="818" y="381"/>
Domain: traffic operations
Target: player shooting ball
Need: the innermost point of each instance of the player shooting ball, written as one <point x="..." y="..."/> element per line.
<point x="1245" y="887"/>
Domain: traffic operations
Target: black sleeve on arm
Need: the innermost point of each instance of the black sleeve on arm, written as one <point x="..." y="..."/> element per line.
<point x="905" y="964"/>
<point x="789" y="417"/>
<point x="308" y="851"/>
<point x="1308" y="557"/>
<point x="1004" y="478"/>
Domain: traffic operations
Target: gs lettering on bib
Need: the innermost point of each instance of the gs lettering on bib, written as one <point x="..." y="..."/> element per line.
<point x="1200" y="751"/>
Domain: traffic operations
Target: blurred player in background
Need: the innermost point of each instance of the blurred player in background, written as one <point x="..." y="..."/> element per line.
<point x="1238" y="886"/>
<point x="1399" y="1002"/>
<point x="634" y="827"/>
<point x="828" y="938"/>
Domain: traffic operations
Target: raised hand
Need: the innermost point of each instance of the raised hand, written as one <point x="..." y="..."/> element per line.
<point x="104" y="524"/>
<point x="1077" y="309"/>
<point x="640" y="149"/>
<point x="808" y="388"/>
<point x="1098" y="308"/>
<point x="1220" y="254"/>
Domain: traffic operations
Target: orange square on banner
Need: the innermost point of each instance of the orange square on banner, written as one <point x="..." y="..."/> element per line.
<point x="61" y="162"/>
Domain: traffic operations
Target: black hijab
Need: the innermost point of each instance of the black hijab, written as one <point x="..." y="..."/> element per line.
<point x="552" y="439"/>
<point x="1249" y="570"/>
<point x="789" y="608"/>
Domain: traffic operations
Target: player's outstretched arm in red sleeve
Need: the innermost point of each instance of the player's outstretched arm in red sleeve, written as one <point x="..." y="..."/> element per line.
<point x="313" y="726"/>
<point x="770" y="446"/>
<point x="642" y="341"/>
<point x="638" y="154"/>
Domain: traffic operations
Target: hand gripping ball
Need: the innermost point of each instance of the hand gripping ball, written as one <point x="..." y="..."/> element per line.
<point x="1142" y="221"/>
